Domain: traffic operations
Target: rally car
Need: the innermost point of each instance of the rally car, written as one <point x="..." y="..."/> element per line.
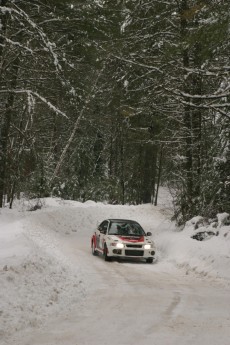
<point x="124" y="239"/>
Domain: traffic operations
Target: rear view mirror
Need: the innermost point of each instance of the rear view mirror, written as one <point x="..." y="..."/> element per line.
<point x="149" y="234"/>
<point x="103" y="231"/>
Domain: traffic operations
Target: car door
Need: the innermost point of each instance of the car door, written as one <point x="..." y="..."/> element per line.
<point x="101" y="233"/>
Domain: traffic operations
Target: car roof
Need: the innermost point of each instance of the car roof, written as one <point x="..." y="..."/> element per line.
<point x="118" y="220"/>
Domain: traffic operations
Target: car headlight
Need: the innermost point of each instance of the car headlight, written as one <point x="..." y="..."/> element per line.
<point x="147" y="246"/>
<point x="117" y="245"/>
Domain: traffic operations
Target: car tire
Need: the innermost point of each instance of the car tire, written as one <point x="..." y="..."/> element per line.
<point x="149" y="260"/>
<point x="94" y="252"/>
<point x="106" y="257"/>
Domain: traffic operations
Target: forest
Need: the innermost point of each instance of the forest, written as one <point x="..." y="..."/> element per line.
<point x="107" y="100"/>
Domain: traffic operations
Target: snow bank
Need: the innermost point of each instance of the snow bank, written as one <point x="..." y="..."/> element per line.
<point x="209" y="256"/>
<point x="35" y="283"/>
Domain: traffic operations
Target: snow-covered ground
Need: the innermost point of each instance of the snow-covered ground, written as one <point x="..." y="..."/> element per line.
<point x="53" y="291"/>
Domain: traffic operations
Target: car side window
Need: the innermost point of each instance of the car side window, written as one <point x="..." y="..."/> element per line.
<point x="103" y="227"/>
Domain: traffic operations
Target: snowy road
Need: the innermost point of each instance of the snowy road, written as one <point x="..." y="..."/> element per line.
<point x="125" y="302"/>
<point x="133" y="303"/>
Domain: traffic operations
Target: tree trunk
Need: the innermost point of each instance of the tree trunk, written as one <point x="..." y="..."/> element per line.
<point x="187" y="117"/>
<point x="4" y="131"/>
<point x="159" y="175"/>
<point x="149" y="173"/>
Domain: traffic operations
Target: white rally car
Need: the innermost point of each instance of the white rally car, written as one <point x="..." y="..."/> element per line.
<point x="122" y="238"/>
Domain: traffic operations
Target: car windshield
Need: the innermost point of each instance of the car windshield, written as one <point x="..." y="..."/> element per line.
<point x="126" y="229"/>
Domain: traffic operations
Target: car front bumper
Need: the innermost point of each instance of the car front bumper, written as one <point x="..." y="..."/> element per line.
<point x="131" y="252"/>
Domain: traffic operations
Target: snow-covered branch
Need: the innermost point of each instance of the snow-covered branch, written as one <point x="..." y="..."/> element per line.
<point x="89" y="97"/>
<point x="30" y="93"/>
<point x="213" y="96"/>
<point x="137" y="63"/>
<point x="48" y="45"/>
<point x="216" y="107"/>
<point x="16" y="44"/>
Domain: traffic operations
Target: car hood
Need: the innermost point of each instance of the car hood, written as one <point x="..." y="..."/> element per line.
<point x="132" y="239"/>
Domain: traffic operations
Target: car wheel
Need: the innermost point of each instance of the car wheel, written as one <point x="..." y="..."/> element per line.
<point x="106" y="257"/>
<point x="94" y="252"/>
<point x="149" y="260"/>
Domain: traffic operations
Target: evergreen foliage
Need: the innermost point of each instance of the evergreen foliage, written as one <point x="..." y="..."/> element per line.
<point x="105" y="99"/>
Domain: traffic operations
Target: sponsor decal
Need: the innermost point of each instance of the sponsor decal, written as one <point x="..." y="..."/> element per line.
<point x="132" y="239"/>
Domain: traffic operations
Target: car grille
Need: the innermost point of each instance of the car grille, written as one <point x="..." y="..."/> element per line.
<point x="129" y="252"/>
<point x="134" y="245"/>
